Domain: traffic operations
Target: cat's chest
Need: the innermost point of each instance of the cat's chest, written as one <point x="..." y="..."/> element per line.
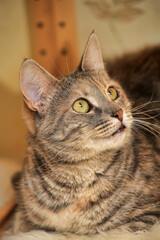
<point x="75" y="216"/>
<point x="81" y="175"/>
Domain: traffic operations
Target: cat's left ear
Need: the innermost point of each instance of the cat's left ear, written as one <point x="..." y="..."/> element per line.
<point x="92" y="56"/>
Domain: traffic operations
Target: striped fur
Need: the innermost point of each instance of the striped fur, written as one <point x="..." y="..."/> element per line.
<point x="79" y="175"/>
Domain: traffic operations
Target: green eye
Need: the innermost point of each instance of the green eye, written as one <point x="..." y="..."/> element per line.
<point x="112" y="93"/>
<point x="81" y="106"/>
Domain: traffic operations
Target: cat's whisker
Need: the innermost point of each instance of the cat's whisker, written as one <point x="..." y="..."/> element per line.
<point x="59" y="152"/>
<point x="93" y="134"/>
<point x="89" y="138"/>
<point x="147" y="127"/>
<point x="102" y="126"/>
<point x="152" y="130"/>
<point x="147" y="123"/>
<point x="144" y="104"/>
<point x="51" y="60"/>
<point x="66" y="59"/>
<point x="146" y="111"/>
<point x="149" y="117"/>
<point x="144" y="114"/>
<point x="129" y="114"/>
<point x="134" y="129"/>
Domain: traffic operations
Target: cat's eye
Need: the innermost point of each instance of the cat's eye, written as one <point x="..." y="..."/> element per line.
<point x="112" y="93"/>
<point x="81" y="106"/>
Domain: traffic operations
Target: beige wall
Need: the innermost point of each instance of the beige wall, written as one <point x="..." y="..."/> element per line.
<point x="14" y="46"/>
<point x="120" y="27"/>
<point x="14" y="41"/>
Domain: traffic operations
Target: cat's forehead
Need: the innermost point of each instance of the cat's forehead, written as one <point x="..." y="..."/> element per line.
<point x="94" y="82"/>
<point x="92" y="86"/>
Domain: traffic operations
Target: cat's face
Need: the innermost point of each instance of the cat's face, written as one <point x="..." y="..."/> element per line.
<point x="82" y="114"/>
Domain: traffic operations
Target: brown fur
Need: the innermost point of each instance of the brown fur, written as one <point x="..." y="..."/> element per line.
<point x="78" y="176"/>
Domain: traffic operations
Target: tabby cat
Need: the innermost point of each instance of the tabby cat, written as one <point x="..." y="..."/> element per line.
<point x="93" y="155"/>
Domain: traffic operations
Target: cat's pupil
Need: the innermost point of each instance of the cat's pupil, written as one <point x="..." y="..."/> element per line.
<point x="80" y="104"/>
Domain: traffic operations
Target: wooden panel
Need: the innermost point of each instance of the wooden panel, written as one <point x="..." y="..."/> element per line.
<point x="42" y="40"/>
<point x="66" y="38"/>
<point x="53" y="35"/>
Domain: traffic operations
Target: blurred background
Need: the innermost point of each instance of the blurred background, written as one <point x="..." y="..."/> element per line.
<point x="54" y="33"/>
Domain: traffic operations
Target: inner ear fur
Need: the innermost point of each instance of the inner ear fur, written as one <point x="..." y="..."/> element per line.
<point x="92" y="57"/>
<point x="36" y="85"/>
<point x="29" y="118"/>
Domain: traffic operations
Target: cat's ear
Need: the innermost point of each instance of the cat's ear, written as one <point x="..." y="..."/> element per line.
<point x="36" y="84"/>
<point x="92" y="56"/>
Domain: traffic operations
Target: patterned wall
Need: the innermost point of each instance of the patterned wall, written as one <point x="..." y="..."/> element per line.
<point x="121" y="25"/>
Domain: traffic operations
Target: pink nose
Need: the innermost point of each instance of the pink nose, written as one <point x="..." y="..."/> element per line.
<point x="118" y="114"/>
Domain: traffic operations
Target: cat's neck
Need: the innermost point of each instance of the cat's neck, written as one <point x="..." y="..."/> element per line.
<point x="85" y="170"/>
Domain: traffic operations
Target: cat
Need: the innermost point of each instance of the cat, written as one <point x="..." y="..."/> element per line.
<point x="91" y="165"/>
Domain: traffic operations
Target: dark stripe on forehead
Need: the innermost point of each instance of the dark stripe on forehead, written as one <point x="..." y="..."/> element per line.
<point x="99" y="80"/>
<point x="97" y="83"/>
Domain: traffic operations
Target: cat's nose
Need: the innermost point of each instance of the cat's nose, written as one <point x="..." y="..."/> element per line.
<point x="118" y="114"/>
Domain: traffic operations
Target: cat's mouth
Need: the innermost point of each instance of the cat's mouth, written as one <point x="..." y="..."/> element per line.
<point x="121" y="129"/>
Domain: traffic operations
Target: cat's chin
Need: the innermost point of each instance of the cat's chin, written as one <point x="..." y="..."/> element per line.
<point x="120" y="130"/>
<point x="116" y="140"/>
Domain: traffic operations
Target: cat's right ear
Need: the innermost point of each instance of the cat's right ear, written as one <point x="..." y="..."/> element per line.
<point x="92" y="57"/>
<point x="36" y="85"/>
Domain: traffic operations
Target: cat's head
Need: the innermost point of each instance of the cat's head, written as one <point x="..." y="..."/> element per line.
<point x="81" y="114"/>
